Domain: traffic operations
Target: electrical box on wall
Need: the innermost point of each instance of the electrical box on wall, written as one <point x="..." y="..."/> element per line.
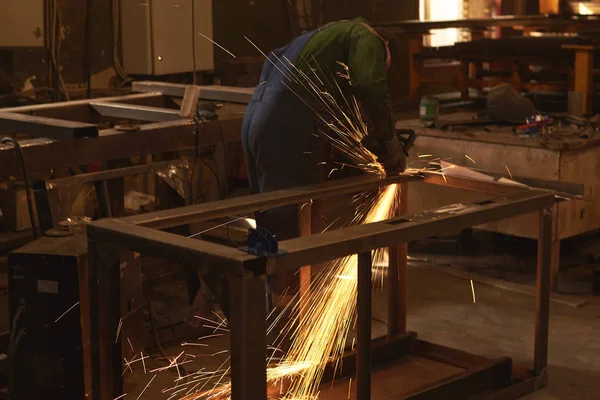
<point x="158" y="36"/>
<point x="22" y="24"/>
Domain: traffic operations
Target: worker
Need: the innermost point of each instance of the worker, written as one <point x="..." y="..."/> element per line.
<point x="280" y="129"/>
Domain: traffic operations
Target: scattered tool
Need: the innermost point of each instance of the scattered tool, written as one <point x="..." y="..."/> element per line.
<point x="534" y="123"/>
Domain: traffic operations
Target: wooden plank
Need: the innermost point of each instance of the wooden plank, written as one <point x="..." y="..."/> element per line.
<point x="415" y="46"/>
<point x="580" y="216"/>
<point x="584" y="73"/>
<point x="44" y="154"/>
<point x="45" y="127"/>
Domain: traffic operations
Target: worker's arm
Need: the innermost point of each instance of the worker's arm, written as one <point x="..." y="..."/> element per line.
<point x="368" y="77"/>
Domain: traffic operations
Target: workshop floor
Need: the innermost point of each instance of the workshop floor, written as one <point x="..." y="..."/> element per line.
<point x="441" y="310"/>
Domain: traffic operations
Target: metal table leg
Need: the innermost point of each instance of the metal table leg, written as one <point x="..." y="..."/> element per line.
<point x="248" y="338"/>
<point x="363" y="326"/>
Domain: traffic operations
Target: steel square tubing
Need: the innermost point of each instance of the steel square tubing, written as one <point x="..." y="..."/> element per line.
<point x="172" y="247"/>
<point x="135" y="112"/>
<point x="80" y="110"/>
<point x="50" y="128"/>
<point x="262" y="201"/>
<point x="45" y="154"/>
<point x="297" y="252"/>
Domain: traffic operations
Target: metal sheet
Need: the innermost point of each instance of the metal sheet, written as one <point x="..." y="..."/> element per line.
<point x="45" y="127"/>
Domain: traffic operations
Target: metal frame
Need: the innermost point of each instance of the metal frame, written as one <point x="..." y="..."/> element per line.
<point x="247" y="275"/>
<point x="55" y="126"/>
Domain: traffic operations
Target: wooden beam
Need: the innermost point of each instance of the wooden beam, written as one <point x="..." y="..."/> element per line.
<point x="583" y="72"/>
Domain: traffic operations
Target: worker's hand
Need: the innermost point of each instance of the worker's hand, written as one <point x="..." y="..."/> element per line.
<point x="390" y="153"/>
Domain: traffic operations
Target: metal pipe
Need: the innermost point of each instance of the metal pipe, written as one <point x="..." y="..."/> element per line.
<point x="542" y="315"/>
<point x="363" y="328"/>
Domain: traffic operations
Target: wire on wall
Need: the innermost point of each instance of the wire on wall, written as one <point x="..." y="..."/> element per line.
<point x="55" y="45"/>
<point x="116" y="20"/>
<point x="193" y="41"/>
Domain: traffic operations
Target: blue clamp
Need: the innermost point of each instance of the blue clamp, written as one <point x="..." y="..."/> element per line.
<point x="261" y="242"/>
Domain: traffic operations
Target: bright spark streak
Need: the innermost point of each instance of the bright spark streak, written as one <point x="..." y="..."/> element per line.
<point x="473" y="291"/>
<point x="119" y="330"/>
<point x="148" y="385"/>
<point x="469" y="158"/>
<point x="65" y="313"/>
<point x="215" y="227"/>
<point x="120" y="397"/>
<point x="508" y="170"/>
<point x="218" y="45"/>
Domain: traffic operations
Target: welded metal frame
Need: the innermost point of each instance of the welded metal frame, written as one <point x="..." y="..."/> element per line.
<point x="247" y="274"/>
<point x="67" y="133"/>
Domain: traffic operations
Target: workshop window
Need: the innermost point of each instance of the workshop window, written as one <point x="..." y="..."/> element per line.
<point x="441" y="10"/>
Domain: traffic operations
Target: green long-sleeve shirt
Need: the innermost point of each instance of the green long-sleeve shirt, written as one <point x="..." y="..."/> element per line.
<point x="364" y="52"/>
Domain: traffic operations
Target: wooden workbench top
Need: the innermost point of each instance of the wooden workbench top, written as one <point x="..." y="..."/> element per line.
<point x="561" y="139"/>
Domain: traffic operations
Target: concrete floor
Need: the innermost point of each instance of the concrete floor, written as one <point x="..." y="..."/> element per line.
<point x="441" y="310"/>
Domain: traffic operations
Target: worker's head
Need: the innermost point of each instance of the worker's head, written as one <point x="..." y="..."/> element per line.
<point x="392" y="47"/>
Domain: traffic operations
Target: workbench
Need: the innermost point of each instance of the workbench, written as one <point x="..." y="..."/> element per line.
<point x="579" y="49"/>
<point x="497" y="149"/>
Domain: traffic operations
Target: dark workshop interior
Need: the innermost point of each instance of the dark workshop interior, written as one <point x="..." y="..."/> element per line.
<point x="299" y="199"/>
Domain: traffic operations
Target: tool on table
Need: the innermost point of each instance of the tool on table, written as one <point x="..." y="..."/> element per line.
<point x="534" y="123"/>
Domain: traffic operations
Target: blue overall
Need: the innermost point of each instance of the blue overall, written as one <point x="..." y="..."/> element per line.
<point x="278" y="136"/>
